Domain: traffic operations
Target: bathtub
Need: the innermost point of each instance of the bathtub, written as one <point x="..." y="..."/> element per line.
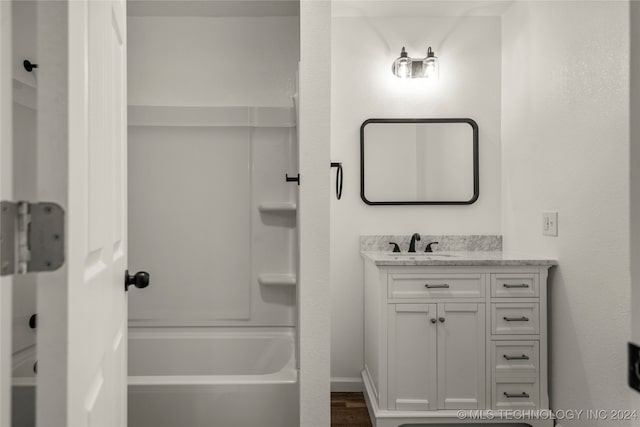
<point x="214" y="377"/>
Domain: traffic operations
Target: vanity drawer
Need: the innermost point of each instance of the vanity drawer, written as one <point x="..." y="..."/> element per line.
<point x="514" y="285"/>
<point x="515" y="318"/>
<point x="434" y="285"/>
<point x="515" y="358"/>
<point x="516" y="393"/>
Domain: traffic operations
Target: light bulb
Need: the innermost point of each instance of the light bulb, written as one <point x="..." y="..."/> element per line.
<point x="430" y="68"/>
<point x="402" y="67"/>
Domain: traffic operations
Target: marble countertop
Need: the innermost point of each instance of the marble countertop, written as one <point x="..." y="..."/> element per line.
<point x="475" y="258"/>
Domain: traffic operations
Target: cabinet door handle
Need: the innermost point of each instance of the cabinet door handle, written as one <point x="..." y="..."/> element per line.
<point x="441" y="319"/>
<point x="522" y="285"/>
<point x="516" y="319"/>
<point x="516" y="395"/>
<point x="523" y="357"/>
<point x="433" y="320"/>
<point x="443" y="286"/>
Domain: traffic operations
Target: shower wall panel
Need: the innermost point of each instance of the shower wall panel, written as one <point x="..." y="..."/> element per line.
<point x="190" y="223"/>
<point x="196" y="225"/>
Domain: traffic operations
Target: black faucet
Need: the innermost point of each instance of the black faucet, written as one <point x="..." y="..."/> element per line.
<point x="429" y="248"/>
<point x="412" y="245"/>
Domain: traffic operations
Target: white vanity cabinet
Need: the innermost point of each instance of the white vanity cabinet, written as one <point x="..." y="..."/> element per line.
<point x="445" y="338"/>
<point x="436" y="356"/>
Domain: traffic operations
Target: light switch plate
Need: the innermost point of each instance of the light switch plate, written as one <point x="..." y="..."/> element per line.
<point x="550" y="223"/>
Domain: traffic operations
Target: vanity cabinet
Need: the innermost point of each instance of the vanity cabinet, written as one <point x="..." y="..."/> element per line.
<point x="444" y="338"/>
<point x="436" y="356"/>
<point x="412" y="356"/>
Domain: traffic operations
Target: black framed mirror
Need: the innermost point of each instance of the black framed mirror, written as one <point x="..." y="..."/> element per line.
<point x="419" y="162"/>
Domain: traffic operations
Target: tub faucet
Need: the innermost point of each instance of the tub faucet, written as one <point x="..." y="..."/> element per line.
<point x="412" y="245"/>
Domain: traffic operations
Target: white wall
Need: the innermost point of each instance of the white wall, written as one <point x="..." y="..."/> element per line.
<point x="363" y="87"/>
<point x="565" y="143"/>
<point x="635" y="177"/>
<point x="230" y="61"/>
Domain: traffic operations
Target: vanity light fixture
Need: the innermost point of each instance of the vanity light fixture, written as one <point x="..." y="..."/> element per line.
<point x="430" y="65"/>
<point x="406" y="68"/>
<point x="403" y="66"/>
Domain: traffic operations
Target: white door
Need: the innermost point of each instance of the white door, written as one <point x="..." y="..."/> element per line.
<point x="461" y="356"/>
<point x="97" y="235"/>
<point x="412" y="356"/>
<point x="82" y="308"/>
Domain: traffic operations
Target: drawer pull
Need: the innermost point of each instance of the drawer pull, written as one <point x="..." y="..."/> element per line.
<point x="508" y="286"/>
<point x="443" y="286"/>
<point x="516" y="395"/>
<point x="523" y="357"/>
<point x="516" y="319"/>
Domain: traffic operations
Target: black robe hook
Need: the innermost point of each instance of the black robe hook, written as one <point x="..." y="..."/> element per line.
<point x="28" y="65"/>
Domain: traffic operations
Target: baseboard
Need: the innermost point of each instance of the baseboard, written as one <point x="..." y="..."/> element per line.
<point x="346" y="384"/>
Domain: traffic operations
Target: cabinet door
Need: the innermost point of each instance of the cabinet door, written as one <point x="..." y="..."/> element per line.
<point x="412" y="372"/>
<point x="461" y="356"/>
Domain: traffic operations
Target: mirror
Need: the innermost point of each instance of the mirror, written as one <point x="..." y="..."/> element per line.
<point x="419" y="162"/>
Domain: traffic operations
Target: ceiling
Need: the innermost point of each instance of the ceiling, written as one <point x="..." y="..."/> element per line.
<point x="419" y="8"/>
<point x="341" y="8"/>
<point x="213" y="8"/>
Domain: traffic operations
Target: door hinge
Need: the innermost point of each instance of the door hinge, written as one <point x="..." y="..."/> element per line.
<point x="31" y="237"/>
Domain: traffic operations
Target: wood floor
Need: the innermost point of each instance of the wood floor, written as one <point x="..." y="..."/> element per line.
<point x="349" y="410"/>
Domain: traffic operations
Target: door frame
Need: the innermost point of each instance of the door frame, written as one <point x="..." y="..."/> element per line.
<point x="314" y="296"/>
<point x="52" y="40"/>
<point x="6" y="193"/>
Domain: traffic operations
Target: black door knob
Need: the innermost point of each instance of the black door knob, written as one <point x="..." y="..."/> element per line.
<point x="33" y="321"/>
<point x="140" y="280"/>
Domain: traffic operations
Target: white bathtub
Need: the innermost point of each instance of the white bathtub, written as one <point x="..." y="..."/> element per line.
<point x="217" y="377"/>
